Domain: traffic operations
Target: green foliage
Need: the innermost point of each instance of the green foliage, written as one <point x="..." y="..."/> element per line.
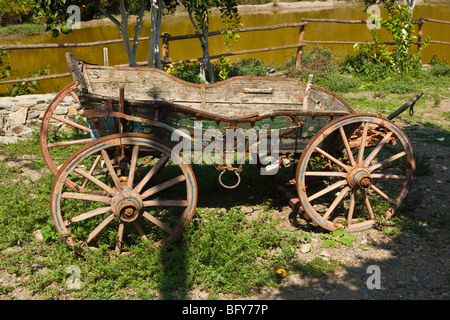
<point x="30" y="87"/>
<point x="48" y="231"/>
<point x="231" y="253"/>
<point x="24" y="29"/>
<point x="186" y="72"/>
<point x="439" y="68"/>
<point x="337" y="238"/>
<point x="5" y="68"/>
<point x="248" y="67"/>
<point x="316" y="268"/>
<point x="15" y="8"/>
<point x="397" y="85"/>
<point x="244" y="67"/>
<point x="400" y="59"/>
<point x="362" y="64"/>
<point x="322" y="63"/>
<point x="225" y="68"/>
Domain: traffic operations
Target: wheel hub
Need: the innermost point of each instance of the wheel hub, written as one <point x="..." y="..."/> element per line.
<point x="127" y="205"/>
<point x="359" y="177"/>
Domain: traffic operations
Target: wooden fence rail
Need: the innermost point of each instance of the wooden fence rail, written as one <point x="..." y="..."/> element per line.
<point x="166" y="38"/>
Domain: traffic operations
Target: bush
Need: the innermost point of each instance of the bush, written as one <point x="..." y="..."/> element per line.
<point x="338" y="83"/>
<point x="14" y="9"/>
<point x="439" y="69"/>
<point x="318" y="58"/>
<point x="321" y="62"/>
<point x="186" y="72"/>
<point x="362" y="64"/>
<point x="248" y="67"/>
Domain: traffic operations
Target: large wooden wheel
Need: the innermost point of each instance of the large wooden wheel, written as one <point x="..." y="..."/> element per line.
<point x="62" y="134"/>
<point x="127" y="187"/>
<point x="354" y="172"/>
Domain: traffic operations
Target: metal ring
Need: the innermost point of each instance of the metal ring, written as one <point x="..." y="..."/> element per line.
<point x="233" y="186"/>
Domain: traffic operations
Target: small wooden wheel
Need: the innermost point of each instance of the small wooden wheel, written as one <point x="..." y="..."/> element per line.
<point x="354" y="172"/>
<point x="126" y="184"/>
<point x="61" y="134"/>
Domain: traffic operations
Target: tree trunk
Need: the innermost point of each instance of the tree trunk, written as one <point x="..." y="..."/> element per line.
<point x="137" y="28"/>
<point x="206" y="60"/>
<point x="124" y="33"/>
<point x="154" y="55"/>
<point x="158" y="63"/>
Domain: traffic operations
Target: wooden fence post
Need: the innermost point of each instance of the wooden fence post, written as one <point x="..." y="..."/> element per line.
<point x="300" y="49"/>
<point x="105" y="57"/>
<point x="420" y="23"/>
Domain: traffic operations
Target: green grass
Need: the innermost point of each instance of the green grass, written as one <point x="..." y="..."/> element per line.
<point x="316" y="268"/>
<point x="25" y="29"/>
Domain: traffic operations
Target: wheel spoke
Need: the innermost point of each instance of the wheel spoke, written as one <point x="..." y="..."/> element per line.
<point x="70" y="123"/>
<point x="386" y="161"/>
<point x="68" y="143"/>
<point x="330" y="157"/>
<point x="134" y="158"/>
<point x="111" y="170"/>
<point x="94" y="165"/>
<point x="87" y="215"/>
<point x="165" y="203"/>
<point x="163" y="186"/>
<point x="156" y="168"/>
<point x="327" y="189"/>
<point x="351" y="209"/>
<point x="108" y="189"/>
<point x="88" y="197"/>
<point x="363" y="143"/>
<point x="367" y="202"/>
<point x="387" y="176"/>
<point x="100" y="227"/>
<point x="326" y="174"/>
<point x="140" y="230"/>
<point x="381" y="193"/>
<point x="375" y="151"/>
<point x="157" y="222"/>
<point x="347" y="147"/>
<point x="336" y="201"/>
<point x="119" y="238"/>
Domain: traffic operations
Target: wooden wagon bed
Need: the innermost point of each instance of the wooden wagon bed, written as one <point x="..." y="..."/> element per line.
<point x="238" y="97"/>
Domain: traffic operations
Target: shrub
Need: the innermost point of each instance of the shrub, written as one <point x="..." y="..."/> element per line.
<point x="400" y="59"/>
<point x="362" y="64"/>
<point x="186" y="72"/>
<point x="5" y="69"/>
<point x="338" y="83"/>
<point x="248" y="67"/>
<point x="318" y="58"/>
<point x="438" y="68"/>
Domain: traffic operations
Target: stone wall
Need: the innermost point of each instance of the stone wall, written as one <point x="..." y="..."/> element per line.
<point x="21" y="115"/>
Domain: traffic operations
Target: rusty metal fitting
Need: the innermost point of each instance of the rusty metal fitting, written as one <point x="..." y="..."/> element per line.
<point x="232" y="186"/>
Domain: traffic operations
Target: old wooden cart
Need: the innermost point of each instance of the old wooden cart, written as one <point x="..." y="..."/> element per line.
<point x="352" y="169"/>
